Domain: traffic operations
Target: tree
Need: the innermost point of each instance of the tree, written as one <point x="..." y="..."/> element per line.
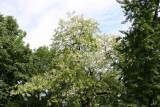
<point x="82" y="74"/>
<point x="43" y="59"/>
<point x="141" y="50"/>
<point x="16" y="60"/>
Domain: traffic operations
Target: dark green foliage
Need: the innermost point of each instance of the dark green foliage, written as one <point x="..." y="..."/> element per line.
<point x="141" y="50"/>
<point x="43" y="59"/>
<point x="16" y="62"/>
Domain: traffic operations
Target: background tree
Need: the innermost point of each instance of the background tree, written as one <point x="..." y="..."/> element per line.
<point x="16" y="60"/>
<point x="141" y="50"/>
<point x="43" y="59"/>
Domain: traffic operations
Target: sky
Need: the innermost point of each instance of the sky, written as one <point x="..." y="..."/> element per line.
<point x="39" y="18"/>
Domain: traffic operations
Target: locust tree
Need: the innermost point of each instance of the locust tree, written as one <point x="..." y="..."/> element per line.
<point x="83" y="51"/>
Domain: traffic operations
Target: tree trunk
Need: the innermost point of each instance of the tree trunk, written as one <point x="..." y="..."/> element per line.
<point x="88" y="102"/>
<point x="150" y="101"/>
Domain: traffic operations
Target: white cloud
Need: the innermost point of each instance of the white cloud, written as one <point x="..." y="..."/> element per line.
<point x="40" y="17"/>
<point x="35" y="6"/>
<point x="42" y="33"/>
<point x="91" y="5"/>
<point x="7" y="8"/>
